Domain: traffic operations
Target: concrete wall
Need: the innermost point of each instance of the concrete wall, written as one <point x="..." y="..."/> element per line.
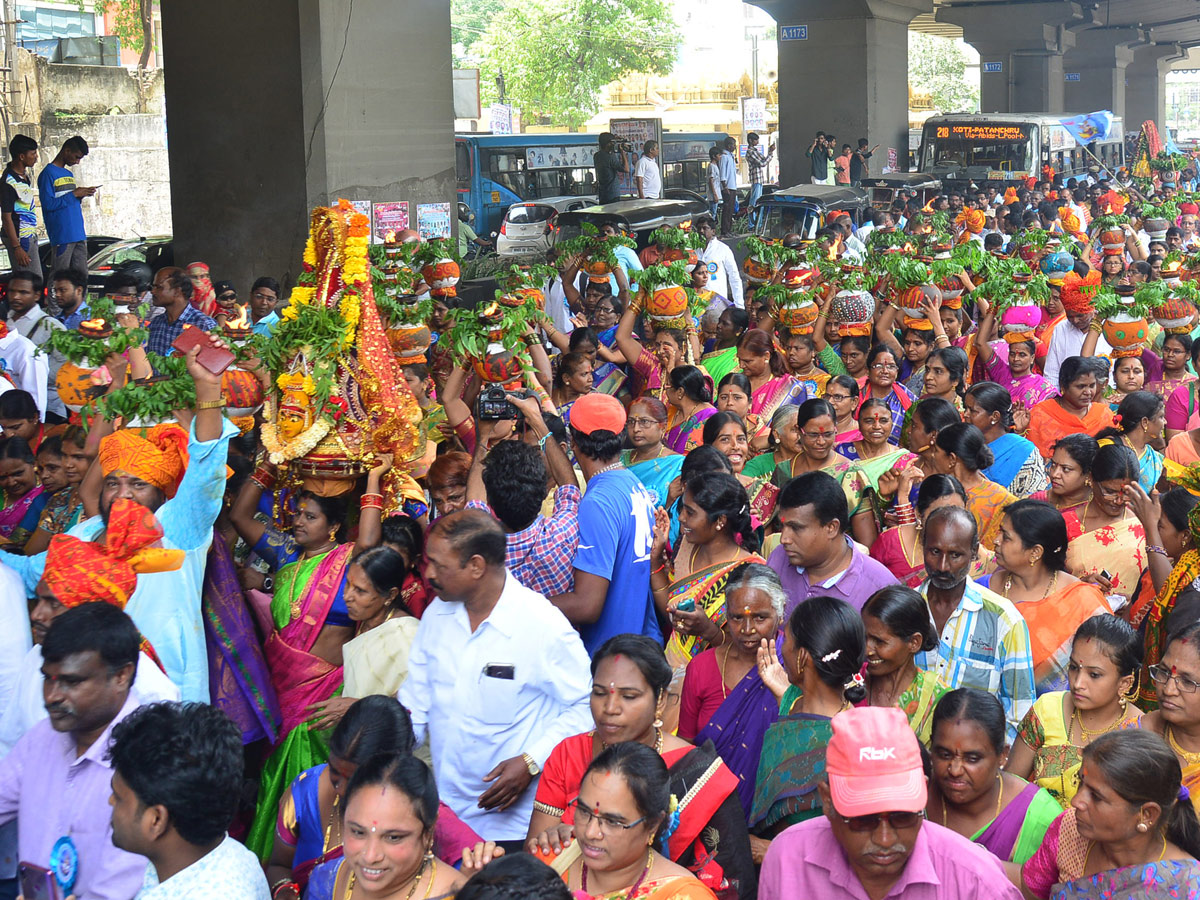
<point x="121" y="115"/>
<point x="322" y="99"/>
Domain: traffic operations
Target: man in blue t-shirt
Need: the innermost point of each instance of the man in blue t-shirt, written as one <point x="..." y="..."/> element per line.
<point x="616" y="530"/>
<point x="60" y="197"/>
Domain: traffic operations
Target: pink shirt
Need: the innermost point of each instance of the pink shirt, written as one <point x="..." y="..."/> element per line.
<point x="51" y="793"/>
<point x="806" y="860"/>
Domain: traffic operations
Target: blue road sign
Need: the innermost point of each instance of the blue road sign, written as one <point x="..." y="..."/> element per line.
<point x="793" y="33"/>
<point x="993" y="67"/>
<point x="1071" y="76"/>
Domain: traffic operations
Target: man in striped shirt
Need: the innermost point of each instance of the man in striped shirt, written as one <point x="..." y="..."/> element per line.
<point x="756" y="162"/>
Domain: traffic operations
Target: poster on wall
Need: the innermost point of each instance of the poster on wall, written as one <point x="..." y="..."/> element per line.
<point x="390" y="216"/>
<point x="433" y="220"/>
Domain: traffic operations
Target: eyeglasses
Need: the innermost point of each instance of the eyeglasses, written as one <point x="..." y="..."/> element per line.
<point x="837" y="398"/>
<point x="259" y="295"/>
<point x="643" y="423"/>
<point x="609" y="826"/>
<point x="819" y="435"/>
<point x="885" y="367"/>
<point x="898" y="820"/>
<point x="1160" y="675"/>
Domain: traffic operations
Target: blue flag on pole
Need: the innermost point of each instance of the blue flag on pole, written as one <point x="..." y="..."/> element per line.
<point x="1095" y="126"/>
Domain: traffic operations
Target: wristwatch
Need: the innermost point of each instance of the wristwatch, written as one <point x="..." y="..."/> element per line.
<point x="531" y="764"/>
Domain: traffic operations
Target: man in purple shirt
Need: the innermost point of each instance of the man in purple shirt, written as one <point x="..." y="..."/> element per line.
<point x="815" y="556"/>
<point x="873" y="842"/>
<point x="57" y="780"/>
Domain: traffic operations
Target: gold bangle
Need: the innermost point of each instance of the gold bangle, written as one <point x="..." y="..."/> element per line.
<point x="210" y="404"/>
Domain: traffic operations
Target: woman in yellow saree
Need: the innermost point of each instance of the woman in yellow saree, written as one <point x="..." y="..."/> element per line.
<point x="715" y="538"/>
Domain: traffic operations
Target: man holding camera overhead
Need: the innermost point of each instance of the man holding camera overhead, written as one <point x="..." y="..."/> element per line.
<point x="609" y="162"/>
<point x="510" y="475"/>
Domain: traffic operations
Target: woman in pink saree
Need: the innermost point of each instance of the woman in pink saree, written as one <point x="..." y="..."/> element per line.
<point x="308" y="611"/>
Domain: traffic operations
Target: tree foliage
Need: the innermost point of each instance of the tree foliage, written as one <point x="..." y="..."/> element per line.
<point x="556" y="55"/>
<point x="937" y="66"/>
<point x="131" y="23"/>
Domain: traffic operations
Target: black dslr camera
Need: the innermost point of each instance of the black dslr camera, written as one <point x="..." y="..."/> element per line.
<point x="493" y="405"/>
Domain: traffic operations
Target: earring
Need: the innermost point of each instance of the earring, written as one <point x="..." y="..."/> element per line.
<point x="658" y="722"/>
<point x="333" y="534"/>
<point x="1142" y="826"/>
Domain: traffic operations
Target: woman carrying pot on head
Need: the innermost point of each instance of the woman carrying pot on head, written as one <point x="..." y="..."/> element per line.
<point x="1014" y="372"/>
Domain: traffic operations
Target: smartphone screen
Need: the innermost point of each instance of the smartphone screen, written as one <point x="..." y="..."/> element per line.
<point x="37" y="883"/>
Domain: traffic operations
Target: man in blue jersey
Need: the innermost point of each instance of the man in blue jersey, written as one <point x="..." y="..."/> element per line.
<point x="616" y="529"/>
<point x="61" y="209"/>
<point x="16" y="205"/>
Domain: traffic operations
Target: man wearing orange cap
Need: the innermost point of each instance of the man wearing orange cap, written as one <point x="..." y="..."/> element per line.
<point x="80" y="572"/>
<point x="873" y="840"/>
<point x="616" y="531"/>
<point x="181" y="480"/>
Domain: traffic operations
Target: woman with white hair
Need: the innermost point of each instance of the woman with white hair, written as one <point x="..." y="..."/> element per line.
<point x="724" y="698"/>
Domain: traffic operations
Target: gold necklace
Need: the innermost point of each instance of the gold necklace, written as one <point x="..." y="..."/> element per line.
<point x="1091" y="844"/>
<point x="1187" y="756"/>
<point x="416" y="881"/>
<point x="1075" y="716"/>
<point x="333" y="815"/>
<point x="725" y="690"/>
<point x="999" y="799"/>
<point x="1049" y="587"/>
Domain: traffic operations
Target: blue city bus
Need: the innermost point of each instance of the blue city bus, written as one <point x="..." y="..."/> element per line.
<point x="494" y="171"/>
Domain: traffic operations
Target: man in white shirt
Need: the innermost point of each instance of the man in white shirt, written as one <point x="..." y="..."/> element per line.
<point x="14" y="645"/>
<point x="724" y="277"/>
<point x="176" y="811"/>
<point x="28" y="319"/>
<point x="497" y="678"/>
<point x="1067" y="341"/>
<point x="647" y="174"/>
<point x="24" y="367"/>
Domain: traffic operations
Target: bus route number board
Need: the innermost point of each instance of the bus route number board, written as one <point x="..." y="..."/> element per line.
<point x="983" y="132"/>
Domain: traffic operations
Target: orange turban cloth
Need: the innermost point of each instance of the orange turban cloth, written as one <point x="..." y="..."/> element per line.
<point x="972" y="219"/>
<point x="86" y="571"/>
<point x="1010" y="196"/>
<point x="158" y="459"/>
<point x="1070" y="221"/>
<point x="1079" y="294"/>
<point x="1112" y="202"/>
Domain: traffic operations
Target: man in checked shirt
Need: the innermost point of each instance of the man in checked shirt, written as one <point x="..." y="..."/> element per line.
<point x="756" y="161"/>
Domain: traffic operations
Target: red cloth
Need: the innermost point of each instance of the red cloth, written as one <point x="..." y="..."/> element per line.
<point x="703" y="693"/>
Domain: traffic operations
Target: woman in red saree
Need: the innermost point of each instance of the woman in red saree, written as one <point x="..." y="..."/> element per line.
<point x="304" y="652"/>
<point x="630" y="678"/>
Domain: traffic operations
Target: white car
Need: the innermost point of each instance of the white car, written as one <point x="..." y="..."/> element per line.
<point x="527" y="227"/>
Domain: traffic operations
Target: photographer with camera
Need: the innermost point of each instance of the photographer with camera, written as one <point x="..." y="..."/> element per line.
<point x="609" y="161"/>
<point x="820" y="153"/>
<point x="508" y="479"/>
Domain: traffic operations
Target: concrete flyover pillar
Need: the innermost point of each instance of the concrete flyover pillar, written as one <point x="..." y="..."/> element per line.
<point x="1146" y="84"/>
<point x="1094" y="70"/>
<point x="303" y="102"/>
<point x="1021" y="47"/>
<point x="845" y="73"/>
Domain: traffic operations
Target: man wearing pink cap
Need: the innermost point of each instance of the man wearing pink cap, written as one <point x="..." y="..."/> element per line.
<point x="616" y="530"/>
<point x="874" y="842"/>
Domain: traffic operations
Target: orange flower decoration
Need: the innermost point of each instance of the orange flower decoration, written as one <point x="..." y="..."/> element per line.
<point x="1078" y="294"/>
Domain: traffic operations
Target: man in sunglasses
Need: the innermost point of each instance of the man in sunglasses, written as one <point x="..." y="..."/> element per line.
<point x="873" y="840"/>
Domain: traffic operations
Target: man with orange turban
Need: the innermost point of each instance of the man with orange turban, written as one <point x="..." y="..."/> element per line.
<point x="180" y="480"/>
<point x="1078" y="298"/>
<point x="79" y="572"/>
<point x="970" y="222"/>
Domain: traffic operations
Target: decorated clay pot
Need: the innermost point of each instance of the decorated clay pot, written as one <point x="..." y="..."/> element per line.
<point x="1175" y="315"/>
<point x="327" y="471"/>
<point x="675" y="254"/>
<point x="522" y="296"/>
<point x="797" y="276"/>
<point x="597" y="269"/>
<point x="441" y="276"/>
<point x="75" y="386"/>
<point x="499" y="367"/>
<point x="1126" y="334"/>
<point x="242" y="392"/>
<point x="1112" y="241"/>
<point x="409" y="342"/>
<point x="853" y="311"/>
<point x="757" y="271"/>
<point x="952" y="288"/>
<point x="909" y="300"/>
<point x="667" y="303"/>
<point x="1156" y="228"/>
<point x="798" y="314"/>
<point x="1021" y="319"/>
<point x="1056" y="265"/>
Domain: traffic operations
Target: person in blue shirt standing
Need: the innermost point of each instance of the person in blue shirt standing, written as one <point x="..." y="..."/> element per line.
<point x="729" y="186"/>
<point x="616" y="531"/>
<point x="16" y="205"/>
<point x="60" y="197"/>
<point x="264" y="295"/>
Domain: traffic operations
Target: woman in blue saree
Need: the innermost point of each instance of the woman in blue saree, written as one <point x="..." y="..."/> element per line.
<point x="1017" y="464"/>
<point x="655" y="465"/>
<point x="724" y="698"/>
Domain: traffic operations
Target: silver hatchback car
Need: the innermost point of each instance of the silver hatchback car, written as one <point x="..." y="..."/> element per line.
<point x="528" y="227"/>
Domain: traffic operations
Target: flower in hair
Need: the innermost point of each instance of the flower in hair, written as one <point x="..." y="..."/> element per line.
<point x="832" y="655"/>
<point x="854" y="680"/>
<point x="1116" y="418"/>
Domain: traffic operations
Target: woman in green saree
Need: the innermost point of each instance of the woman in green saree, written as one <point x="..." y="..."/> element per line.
<point x="722" y="359"/>
<point x="308" y="608"/>
<point x="715" y="537"/>
<point x="824" y="647"/>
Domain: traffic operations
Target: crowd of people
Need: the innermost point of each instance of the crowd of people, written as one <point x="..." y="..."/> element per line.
<point x="900" y="605"/>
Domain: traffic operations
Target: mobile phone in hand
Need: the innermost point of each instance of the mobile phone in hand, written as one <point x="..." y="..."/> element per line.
<point x="37" y="883"/>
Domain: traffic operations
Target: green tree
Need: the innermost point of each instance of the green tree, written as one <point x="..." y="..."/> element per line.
<point x="469" y="21"/>
<point x="133" y="23"/>
<point x="556" y="55"/>
<point x="937" y="66"/>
